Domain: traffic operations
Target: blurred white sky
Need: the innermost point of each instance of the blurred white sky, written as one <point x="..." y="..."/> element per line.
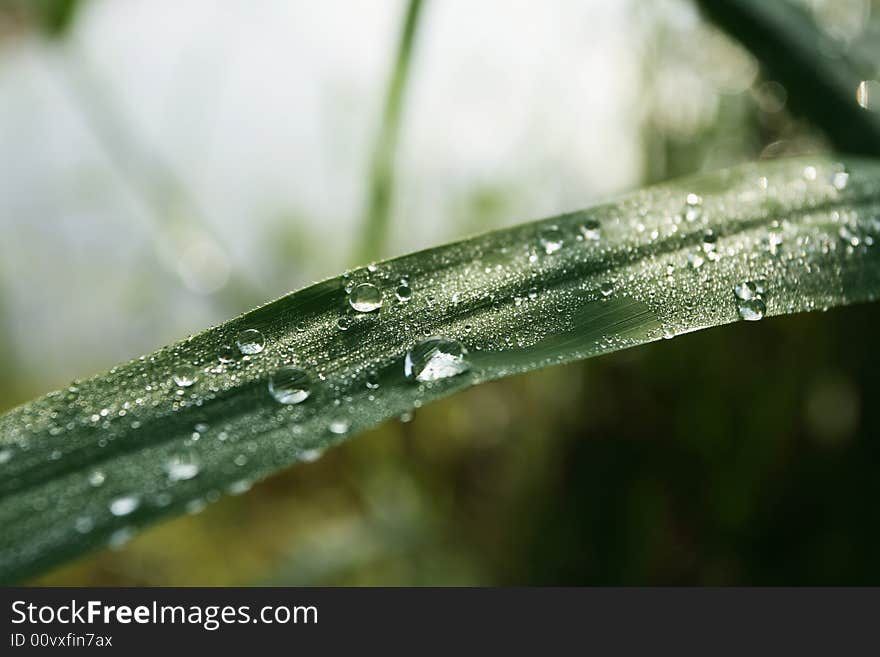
<point x="267" y="111"/>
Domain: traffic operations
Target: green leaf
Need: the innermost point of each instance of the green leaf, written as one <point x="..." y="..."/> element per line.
<point x="174" y="430"/>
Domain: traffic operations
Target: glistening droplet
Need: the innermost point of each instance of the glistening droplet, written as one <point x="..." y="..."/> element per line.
<point x="365" y="298"/>
<point x="290" y="385"/>
<point x="434" y="359"/>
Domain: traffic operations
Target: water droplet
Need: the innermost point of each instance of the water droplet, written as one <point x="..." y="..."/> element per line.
<point x="122" y="506"/>
<point x="372" y="380"/>
<point x="746" y="290"/>
<point x="693" y="211"/>
<point x="239" y="487"/>
<point x="810" y="173"/>
<point x="181" y="469"/>
<point x="365" y="298"/>
<point x="96" y="478"/>
<point x="339" y="426"/>
<point x="590" y="230"/>
<point x="403" y="293"/>
<point x="290" y="385"/>
<point x="751" y="310"/>
<point x="250" y="342"/>
<point x="120" y="537"/>
<point x="434" y="359"/>
<point x="839" y="180"/>
<point x="195" y="506"/>
<point x="867" y="94"/>
<point x="606" y="289"/>
<point x="710" y="241"/>
<point x="5" y="455"/>
<point x="343" y="323"/>
<point x="695" y="260"/>
<point x="551" y="239"/>
<point x="185" y="376"/>
<point x="84" y="524"/>
<point x="227" y="353"/>
<point x="311" y="455"/>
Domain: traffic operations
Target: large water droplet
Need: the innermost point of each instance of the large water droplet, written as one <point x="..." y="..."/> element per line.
<point x="365" y="298"/>
<point x="551" y="239"/>
<point x="122" y="506"/>
<point x="250" y="342"/>
<point x="434" y="359"/>
<point x="403" y="293"/>
<point x="290" y="385"/>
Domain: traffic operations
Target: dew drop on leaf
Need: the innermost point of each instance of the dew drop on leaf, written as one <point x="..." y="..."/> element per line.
<point x="290" y="385"/>
<point x="751" y="310"/>
<point x="181" y="469"/>
<point x="551" y="239"/>
<point x="590" y="230"/>
<point x="185" y="376"/>
<point x="122" y="506"/>
<point x="434" y="359"/>
<point x="250" y="342"/>
<point x="365" y="298"/>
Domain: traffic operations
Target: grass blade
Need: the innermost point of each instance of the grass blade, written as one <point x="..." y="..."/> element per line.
<point x="381" y="181"/>
<point x="174" y="430"/>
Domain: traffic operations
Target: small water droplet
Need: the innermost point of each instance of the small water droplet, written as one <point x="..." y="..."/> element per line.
<point x="867" y="94"/>
<point x="606" y="289"/>
<point x="310" y="455"/>
<point x="372" y="380"/>
<point x="745" y="290"/>
<point x="551" y="239"/>
<point x="693" y="210"/>
<point x="365" y="298"/>
<point x="240" y="460"/>
<point x="84" y="524"/>
<point x="403" y="293"/>
<point x="185" y="376"/>
<point x="181" y="469"/>
<point x="5" y="455"/>
<point x="339" y="426"/>
<point x="751" y="310"/>
<point x="97" y="478"/>
<point x="590" y="230"/>
<point x="290" y="385"/>
<point x="710" y="241"/>
<point x="810" y="173"/>
<point x="120" y="537"/>
<point x="695" y="260"/>
<point x="227" y="353"/>
<point x="122" y="506"/>
<point x="436" y="358"/>
<point x="839" y="180"/>
<point x="239" y="487"/>
<point x="343" y="323"/>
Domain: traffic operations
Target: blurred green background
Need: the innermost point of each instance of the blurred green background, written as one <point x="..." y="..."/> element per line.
<point x="168" y="165"/>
